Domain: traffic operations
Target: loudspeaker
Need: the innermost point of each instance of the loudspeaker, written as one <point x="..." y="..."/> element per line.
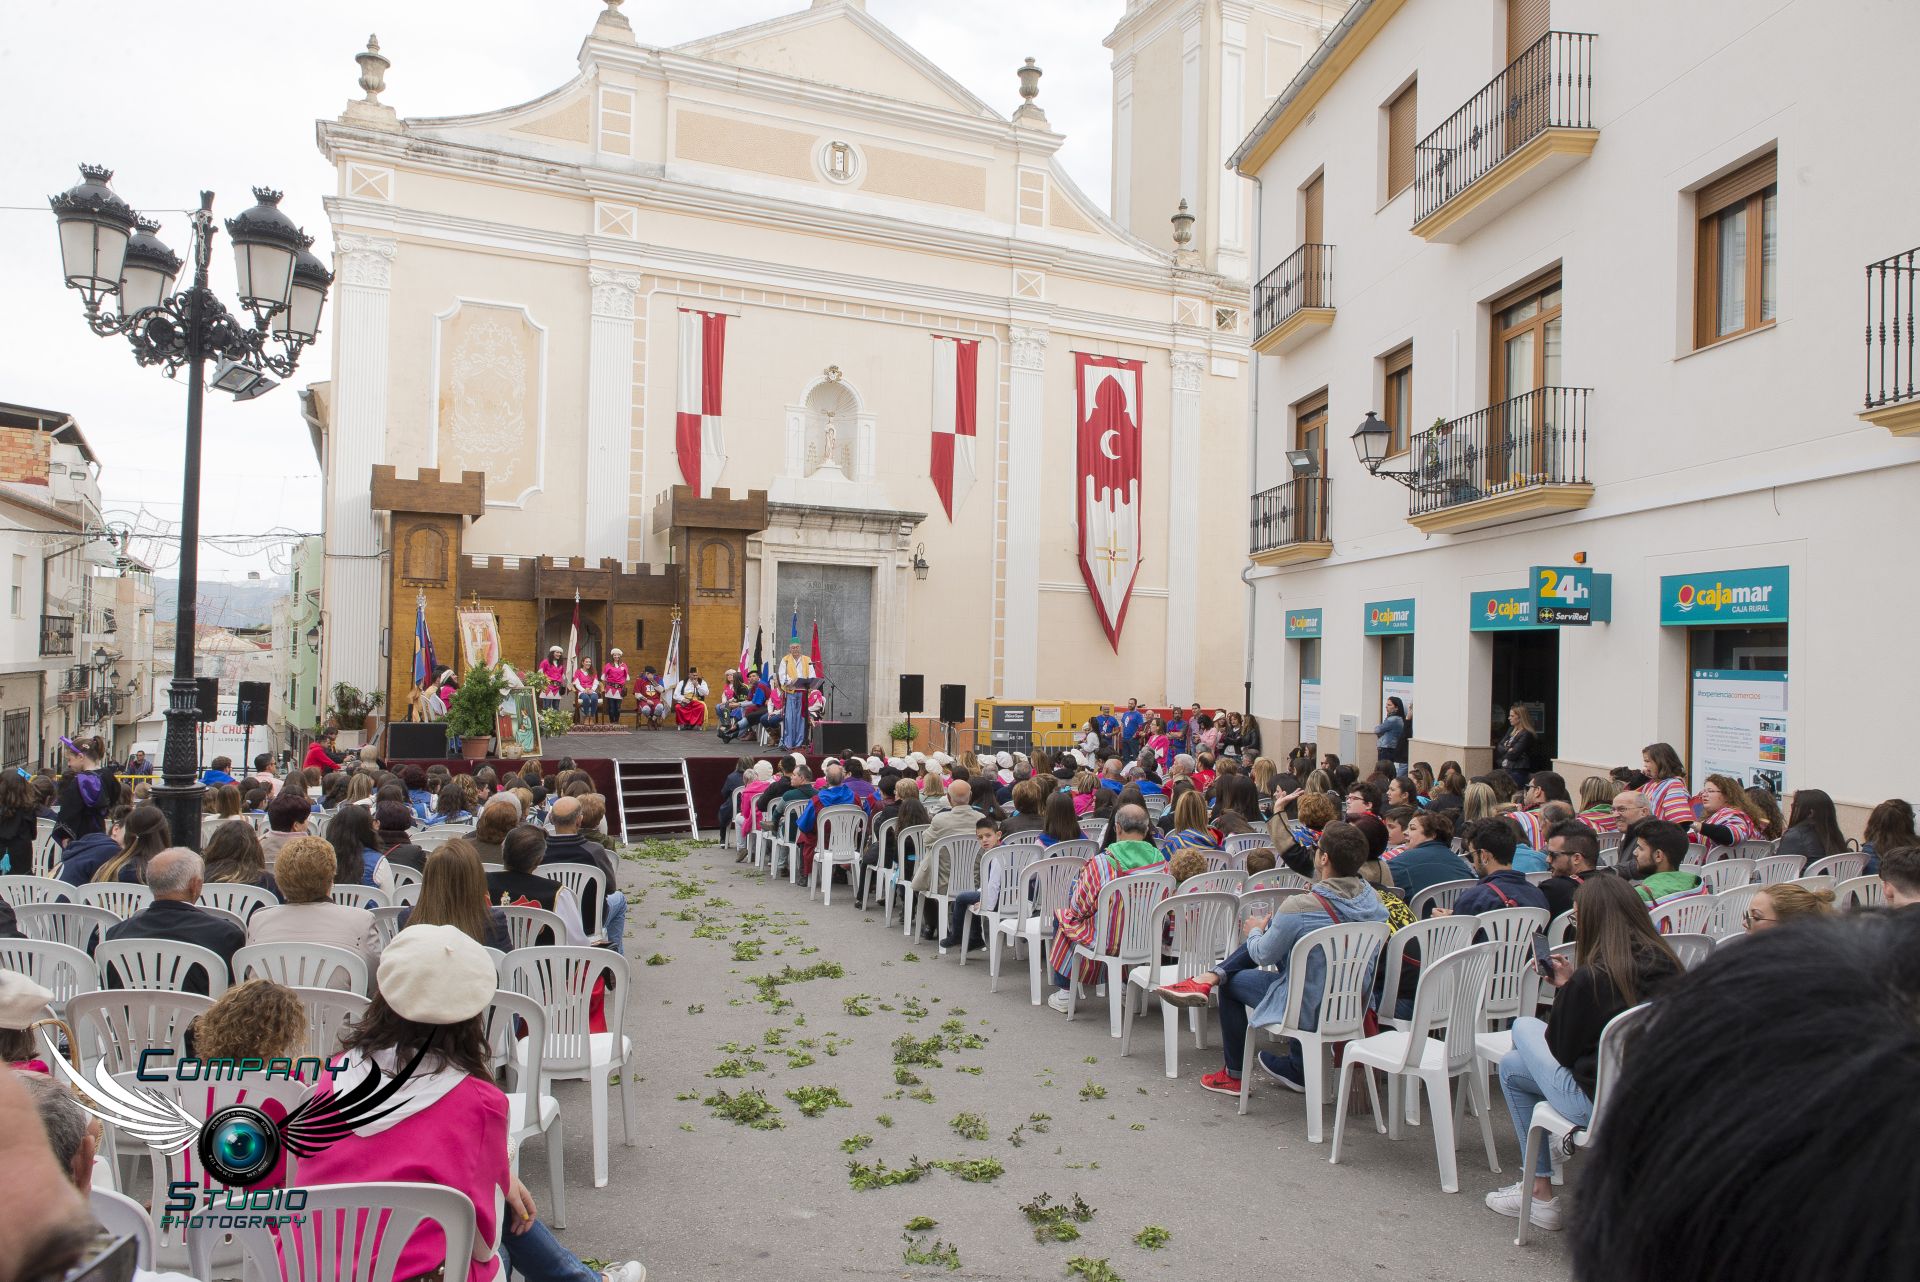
<point x="913" y="692"/>
<point x="417" y="740"/>
<point x="840" y="738"/>
<point x="209" y="698"/>
<point x="953" y="703"/>
<point x="253" y="702"/>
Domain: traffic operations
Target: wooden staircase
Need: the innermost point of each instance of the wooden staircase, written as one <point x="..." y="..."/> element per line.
<point x="656" y="799"/>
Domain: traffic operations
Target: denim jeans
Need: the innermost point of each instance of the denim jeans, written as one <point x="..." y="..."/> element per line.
<point x="1241" y="991"/>
<point x="537" y="1256"/>
<point x="957" y="917"/>
<point x="589" y="705"/>
<point x="617" y="921"/>
<point x="1529" y="1075"/>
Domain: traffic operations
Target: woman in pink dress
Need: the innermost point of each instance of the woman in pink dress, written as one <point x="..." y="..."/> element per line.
<point x="613" y="685"/>
<point x="554" y="670"/>
<point x="586" y="694"/>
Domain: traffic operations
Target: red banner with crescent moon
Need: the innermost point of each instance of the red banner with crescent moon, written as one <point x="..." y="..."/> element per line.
<point x="1107" y="405"/>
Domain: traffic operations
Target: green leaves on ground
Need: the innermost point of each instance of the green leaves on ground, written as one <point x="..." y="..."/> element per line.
<point x="921" y="1224"/>
<point x="750" y="1107"/>
<point x="769" y="986"/>
<point x="917" y="1052"/>
<point x="1091" y="1091"/>
<point x="1092" y="1270"/>
<point x="885" y="1119"/>
<point x="658" y="959"/>
<point x="854" y="1143"/>
<point x="1036" y="1123"/>
<point x="975" y="1170"/>
<point x="969" y="1126"/>
<point x="734" y="1067"/>
<point x="1055" y="1221"/>
<point x="959" y="1039"/>
<point x="857" y="1004"/>
<point x="944" y="1254"/>
<point x="812" y="1101"/>
<point x="746" y="950"/>
<point x="864" y="1176"/>
<point x="1152" y="1238"/>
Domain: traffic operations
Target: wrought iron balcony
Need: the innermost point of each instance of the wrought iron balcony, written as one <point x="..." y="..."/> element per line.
<point x="1893" y="386"/>
<point x="1524" y="457"/>
<point x="1289" y="523"/>
<point x="1294" y="300"/>
<point x="1530" y="124"/>
<point x="56" y="635"/>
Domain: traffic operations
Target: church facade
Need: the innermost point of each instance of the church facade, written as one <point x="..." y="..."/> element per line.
<point x="787" y="320"/>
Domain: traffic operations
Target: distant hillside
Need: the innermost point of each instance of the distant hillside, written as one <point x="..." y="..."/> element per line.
<point x="228" y="605"/>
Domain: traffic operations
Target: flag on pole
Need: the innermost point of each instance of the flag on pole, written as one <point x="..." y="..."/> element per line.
<point x="573" y="639"/>
<point x="424" y="663"/>
<point x="956" y="399"/>
<point x="746" y="649"/>
<point x="671" y="677"/>
<point x="697" y="441"/>
<point x="819" y="668"/>
<point x="793" y="627"/>
<point x="760" y="653"/>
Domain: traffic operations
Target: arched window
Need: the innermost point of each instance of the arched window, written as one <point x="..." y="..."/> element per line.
<point x="426" y="556"/>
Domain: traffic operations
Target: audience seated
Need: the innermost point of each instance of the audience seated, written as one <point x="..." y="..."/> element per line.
<point x="1429" y="858"/>
<point x="1490" y="847"/>
<point x="175" y="878"/>
<point x="233" y="854"/>
<point x="565" y="846"/>
<point x="1573" y="852"/>
<point x="1132" y="850"/>
<point x="454" y="892"/>
<point x="520" y="883"/>
<point x="309" y="915"/>
<point x="1657" y="849"/>
<point x="1785" y="902"/>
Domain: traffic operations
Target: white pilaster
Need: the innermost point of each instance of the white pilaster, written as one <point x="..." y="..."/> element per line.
<point x="1183" y="525"/>
<point x="1026" y="422"/>
<point x="1123" y="142"/>
<point x="1192" y="129"/>
<point x="1233" y="189"/>
<point x="353" y="593"/>
<point x="609" y="411"/>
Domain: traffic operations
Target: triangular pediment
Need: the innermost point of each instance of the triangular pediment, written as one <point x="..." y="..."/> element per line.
<point x="840" y="45"/>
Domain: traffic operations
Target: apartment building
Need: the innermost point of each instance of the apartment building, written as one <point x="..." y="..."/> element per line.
<point x="1560" y="395"/>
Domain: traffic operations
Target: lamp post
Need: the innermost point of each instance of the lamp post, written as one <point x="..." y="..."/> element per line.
<point x="1370" y="441"/>
<point x="109" y="252"/>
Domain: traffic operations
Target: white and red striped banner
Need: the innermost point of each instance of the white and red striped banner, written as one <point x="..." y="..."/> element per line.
<point x="956" y="408"/>
<point x="697" y="440"/>
<point x="1107" y="401"/>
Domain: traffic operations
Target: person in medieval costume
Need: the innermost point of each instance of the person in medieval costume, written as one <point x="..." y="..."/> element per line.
<point x="690" y="701"/>
<point x="1133" y="852"/>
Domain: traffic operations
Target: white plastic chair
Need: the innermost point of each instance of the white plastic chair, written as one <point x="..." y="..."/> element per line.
<point x="1548" y="1123"/>
<point x="910" y="849"/>
<point x="75" y="925"/>
<point x="1688" y="916"/>
<point x="1012" y="860"/>
<point x="784" y="849"/>
<point x="121" y="1216"/>
<point x="1134" y="896"/>
<point x="561" y="980"/>
<point x="1202" y="932"/>
<point x="303" y="965"/>
<point x="1730" y="911"/>
<point x="517" y="1040"/>
<point x="1276" y="879"/>
<point x="1754" y="848"/>
<point x="387" y="921"/>
<point x="1448" y="1002"/>
<point x="1723" y="875"/>
<point x="236" y="897"/>
<point x="525" y="923"/>
<point x="1432" y="939"/>
<point x="356" y="895"/>
<point x="839" y="834"/>
<point x="61" y="969"/>
<point x="115" y="1025"/>
<point x="959" y="854"/>
<point x="158" y="964"/>
<point x="1859" y="892"/>
<point x="22" y="889"/>
<point x="1771" y="869"/>
<point x="121" y="898"/>
<point x="735" y="833"/>
<point x="346" y="1233"/>
<point x="1439" y="895"/>
<point x="589" y="888"/>
<point x="1239" y="843"/>
<point x="1229" y="880"/>
<point x="404" y="876"/>
<point x="1156" y="804"/>
<point x="1081" y="848"/>
<point x="1045" y="887"/>
<point x="329" y="1011"/>
<point x="1819" y="883"/>
<point x="1094" y="830"/>
<point x="870" y="875"/>
<point x="1691" y="949"/>
<point x="1839" y="867"/>
<point x="1265" y="902"/>
<point x="1347" y="952"/>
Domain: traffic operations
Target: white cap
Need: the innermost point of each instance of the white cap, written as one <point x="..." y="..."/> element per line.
<point x="917" y="758"/>
<point x="897" y="763"/>
<point x="871" y="763"/>
<point x="941" y="759"/>
<point x="22" y="1001"/>
<point x="1004" y="760"/>
<point x="436" y="975"/>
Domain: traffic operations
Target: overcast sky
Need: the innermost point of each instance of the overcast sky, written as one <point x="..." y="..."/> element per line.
<point x="175" y="97"/>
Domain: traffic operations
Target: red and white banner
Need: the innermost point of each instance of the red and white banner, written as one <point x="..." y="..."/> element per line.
<point x="696" y="438"/>
<point x="1107" y="401"/>
<point x="956" y="407"/>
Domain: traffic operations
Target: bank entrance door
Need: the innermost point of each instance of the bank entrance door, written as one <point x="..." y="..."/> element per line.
<point x="1526" y="669"/>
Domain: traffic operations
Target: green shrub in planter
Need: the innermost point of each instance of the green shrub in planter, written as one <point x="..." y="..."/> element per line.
<point x="475" y="710"/>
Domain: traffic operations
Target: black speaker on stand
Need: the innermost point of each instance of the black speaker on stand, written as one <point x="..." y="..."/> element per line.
<point x="953" y="709"/>
<point x="254" y="696"/>
<point x="416" y="740"/>
<point x="913" y="693"/>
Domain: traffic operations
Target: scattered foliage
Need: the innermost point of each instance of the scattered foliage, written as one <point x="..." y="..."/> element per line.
<point x="815" y="1100"/>
<point x="944" y="1254"/>
<point x="1092" y="1091"/>
<point x="854" y="1143"/>
<point x="921" y="1224"/>
<point x="969" y="1126"/>
<point x="750" y="1108"/>
<point x="1152" y="1238"/>
<point x="1091" y="1270"/>
<point x="737" y="1067"/>
<point x="1056" y="1221"/>
<point x="658" y="959"/>
<point x="857" y="1004"/>
<point x="879" y="1175"/>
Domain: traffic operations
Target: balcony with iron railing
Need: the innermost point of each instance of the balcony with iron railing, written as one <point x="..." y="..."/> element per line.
<point x="1294" y="301"/>
<point x="1289" y="523"/>
<point x="1893" y="385"/>
<point x="1530" y="124"/>
<point x="1522" y="458"/>
<point x="56" y="635"/>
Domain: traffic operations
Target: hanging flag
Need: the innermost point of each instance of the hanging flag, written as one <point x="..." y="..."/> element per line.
<point x="760" y="653"/>
<point x="746" y="649"/>
<point x="671" y="677"/>
<point x="1107" y="402"/>
<point x="697" y="439"/>
<point x="793" y="627"/>
<point x="819" y="668"/>
<point x="573" y="641"/>
<point x="424" y="663"/>
<point x="956" y="401"/>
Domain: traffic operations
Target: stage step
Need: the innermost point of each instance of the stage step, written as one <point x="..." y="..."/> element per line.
<point x="655" y="799"/>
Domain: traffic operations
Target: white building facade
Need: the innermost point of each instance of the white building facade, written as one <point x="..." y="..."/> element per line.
<point x="1597" y="271"/>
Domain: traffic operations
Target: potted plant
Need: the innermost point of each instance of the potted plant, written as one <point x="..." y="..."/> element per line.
<point x="473" y="715"/>
<point x="904" y="732"/>
<point x="350" y="707"/>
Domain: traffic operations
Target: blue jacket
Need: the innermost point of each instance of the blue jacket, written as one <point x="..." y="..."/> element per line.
<point x="841" y="794"/>
<point x="1355" y="900"/>
<point x="1526" y="859"/>
<point x="1486" y="897"/>
<point x="1427" y="864"/>
<point x="215" y="777"/>
<point x="83" y="858"/>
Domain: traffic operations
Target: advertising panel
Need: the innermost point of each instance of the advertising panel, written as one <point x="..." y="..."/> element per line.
<point x="1740" y="728"/>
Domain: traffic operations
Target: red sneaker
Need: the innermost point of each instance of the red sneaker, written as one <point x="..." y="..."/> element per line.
<point x="1222" y="1082"/>
<point x="1187" y="992"/>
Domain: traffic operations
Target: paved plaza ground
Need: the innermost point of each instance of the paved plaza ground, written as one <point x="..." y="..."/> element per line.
<point x="702" y="1197"/>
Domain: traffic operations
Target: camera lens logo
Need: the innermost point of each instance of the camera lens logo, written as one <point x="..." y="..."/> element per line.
<point x="239" y="1145"/>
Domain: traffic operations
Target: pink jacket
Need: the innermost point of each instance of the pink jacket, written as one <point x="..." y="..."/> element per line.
<point x="459" y="1141"/>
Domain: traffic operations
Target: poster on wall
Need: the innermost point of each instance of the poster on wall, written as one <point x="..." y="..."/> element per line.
<point x="1740" y="728"/>
<point x="1309" y="710"/>
<point x="479" y="638"/>
<point x="1400" y="688"/>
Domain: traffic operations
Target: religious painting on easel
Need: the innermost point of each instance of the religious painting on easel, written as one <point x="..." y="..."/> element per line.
<point x="1107" y="404"/>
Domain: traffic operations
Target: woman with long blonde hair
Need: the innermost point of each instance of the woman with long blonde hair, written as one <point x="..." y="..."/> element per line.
<point x="1479" y="802"/>
<point x="453" y="892"/>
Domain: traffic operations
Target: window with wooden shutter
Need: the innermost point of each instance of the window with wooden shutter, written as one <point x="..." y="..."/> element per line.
<point x="1736" y="252"/>
<point x="1401" y="137"/>
<point x="1397" y="397"/>
<point x="1527" y="21"/>
<point x="1313" y="229"/>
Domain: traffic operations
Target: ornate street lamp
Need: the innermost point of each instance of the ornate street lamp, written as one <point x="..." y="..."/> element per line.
<point x="1370" y="441"/>
<point x="108" y="251"/>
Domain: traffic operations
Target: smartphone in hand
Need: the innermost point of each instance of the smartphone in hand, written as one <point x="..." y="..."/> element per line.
<point x="1542" y="955"/>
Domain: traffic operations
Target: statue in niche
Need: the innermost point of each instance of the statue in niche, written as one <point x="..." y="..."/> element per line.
<point x="831" y="407"/>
